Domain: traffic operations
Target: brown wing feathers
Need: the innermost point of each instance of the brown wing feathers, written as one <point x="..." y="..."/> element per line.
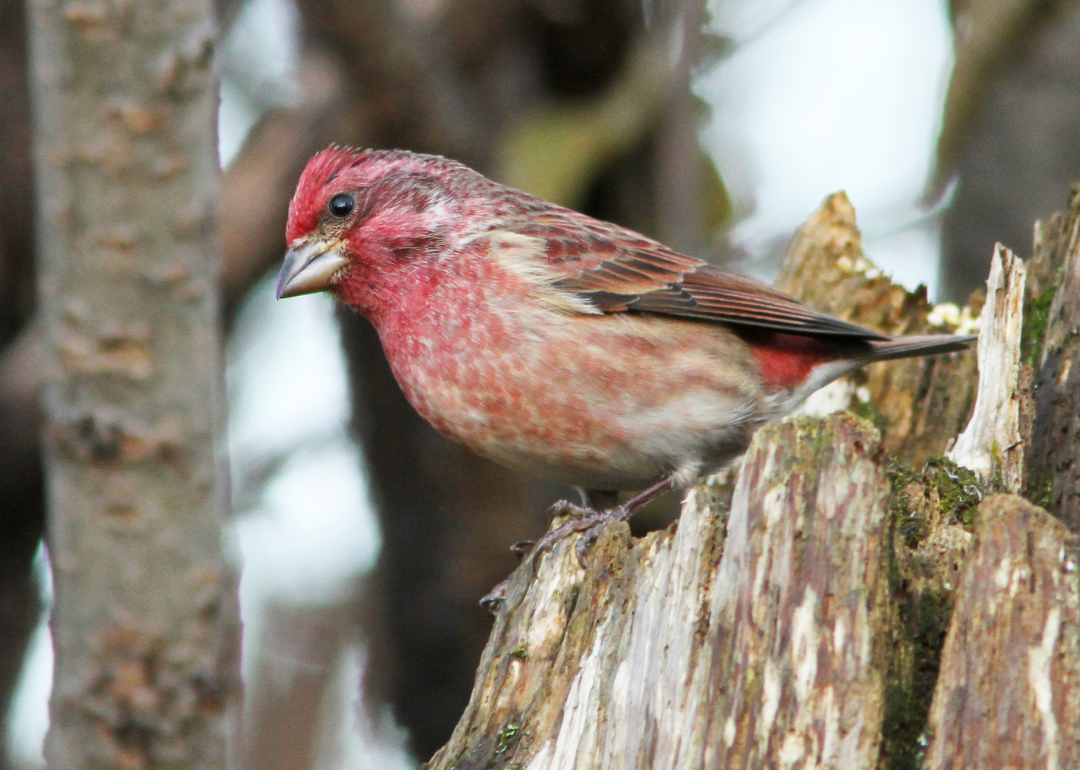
<point x="706" y="294"/>
<point x="618" y="271"/>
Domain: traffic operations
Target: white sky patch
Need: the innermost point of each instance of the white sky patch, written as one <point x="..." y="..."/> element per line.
<point x="28" y="719"/>
<point x="260" y="56"/>
<point x="286" y="374"/>
<point x="832" y="95"/>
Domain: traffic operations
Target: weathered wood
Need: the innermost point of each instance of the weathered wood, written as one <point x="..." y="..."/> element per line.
<point x="992" y="444"/>
<point x="1009" y="691"/>
<point x="1054" y="464"/>
<point x="801" y="604"/>
<point x="664" y="655"/>
<point x="919" y="404"/>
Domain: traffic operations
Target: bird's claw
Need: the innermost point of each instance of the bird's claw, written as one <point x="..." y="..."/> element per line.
<point x="585" y="542"/>
<point x="588" y="522"/>
<point x="522" y="547"/>
<point x="495" y="597"/>
<point x="567" y="508"/>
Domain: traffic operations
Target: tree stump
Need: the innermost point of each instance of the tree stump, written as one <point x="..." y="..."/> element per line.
<point x="800" y="611"/>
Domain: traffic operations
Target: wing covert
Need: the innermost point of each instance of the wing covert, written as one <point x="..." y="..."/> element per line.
<point x="618" y="270"/>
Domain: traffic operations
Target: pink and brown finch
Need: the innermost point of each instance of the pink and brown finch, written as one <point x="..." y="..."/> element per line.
<point x="548" y="341"/>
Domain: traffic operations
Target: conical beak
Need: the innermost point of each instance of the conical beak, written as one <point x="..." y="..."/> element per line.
<point x="308" y="268"/>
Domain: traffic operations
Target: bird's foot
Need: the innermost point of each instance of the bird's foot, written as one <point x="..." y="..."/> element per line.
<point x="494" y="598"/>
<point x="587" y="521"/>
<point x="522" y="547"/>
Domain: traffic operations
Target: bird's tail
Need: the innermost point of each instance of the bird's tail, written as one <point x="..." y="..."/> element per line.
<point x="919" y="345"/>
<point x="868" y="352"/>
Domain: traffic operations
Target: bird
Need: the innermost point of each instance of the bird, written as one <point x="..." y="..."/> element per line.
<point x="565" y="347"/>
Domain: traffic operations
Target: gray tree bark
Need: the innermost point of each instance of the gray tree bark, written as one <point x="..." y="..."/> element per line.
<point x="145" y="618"/>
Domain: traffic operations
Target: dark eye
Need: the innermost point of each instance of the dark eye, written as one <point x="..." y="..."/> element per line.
<point x="341" y="205"/>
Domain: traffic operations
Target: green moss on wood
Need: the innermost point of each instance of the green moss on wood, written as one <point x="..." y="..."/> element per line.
<point x="508" y="737"/>
<point x="958" y="492"/>
<point x="1036" y="317"/>
<point x="910" y="521"/>
<point x="921" y="502"/>
<point x="910" y="689"/>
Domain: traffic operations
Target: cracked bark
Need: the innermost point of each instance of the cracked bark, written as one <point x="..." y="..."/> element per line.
<point x="1054" y="463"/>
<point x="1009" y="690"/>
<point x="577" y="675"/>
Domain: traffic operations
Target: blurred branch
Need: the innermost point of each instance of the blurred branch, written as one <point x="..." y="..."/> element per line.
<point x="986" y="34"/>
<point x="586" y="135"/>
<point x="227" y="11"/>
<point x="1010" y="134"/>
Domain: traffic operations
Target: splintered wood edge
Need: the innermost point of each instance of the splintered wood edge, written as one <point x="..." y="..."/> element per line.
<point x="992" y="443"/>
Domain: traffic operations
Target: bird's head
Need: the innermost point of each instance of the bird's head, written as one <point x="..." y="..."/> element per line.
<point x="361" y="222"/>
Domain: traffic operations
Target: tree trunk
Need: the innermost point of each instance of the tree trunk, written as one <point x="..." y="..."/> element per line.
<point x="145" y="617"/>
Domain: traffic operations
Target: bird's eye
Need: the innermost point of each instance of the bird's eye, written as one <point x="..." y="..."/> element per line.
<point x="341" y="205"/>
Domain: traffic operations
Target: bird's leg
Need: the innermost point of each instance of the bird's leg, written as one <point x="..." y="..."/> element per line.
<point x="587" y="520"/>
<point x="592" y="500"/>
<point x="590" y="521"/>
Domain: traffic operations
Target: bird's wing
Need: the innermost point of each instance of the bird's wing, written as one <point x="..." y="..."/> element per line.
<point x="618" y="270"/>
